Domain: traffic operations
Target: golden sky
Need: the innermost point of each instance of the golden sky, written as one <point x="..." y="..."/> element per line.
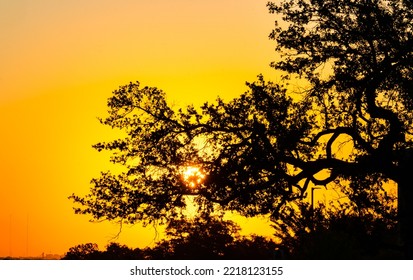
<point x="60" y="61"/>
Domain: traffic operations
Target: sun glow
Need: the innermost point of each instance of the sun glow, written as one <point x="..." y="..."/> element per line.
<point x="71" y="67"/>
<point x="192" y="176"/>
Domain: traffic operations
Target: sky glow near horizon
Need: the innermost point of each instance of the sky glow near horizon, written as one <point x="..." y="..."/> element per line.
<point x="60" y="62"/>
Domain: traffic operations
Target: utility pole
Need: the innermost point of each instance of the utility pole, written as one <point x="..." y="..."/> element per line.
<point x="312" y="206"/>
<point x="10" y="235"/>
<point x="312" y="198"/>
<point x="27" y="236"/>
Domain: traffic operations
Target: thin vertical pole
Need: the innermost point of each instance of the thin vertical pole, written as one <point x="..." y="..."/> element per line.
<point x="312" y="206"/>
<point x="27" y="235"/>
<point x="10" y="235"/>
<point x="312" y="198"/>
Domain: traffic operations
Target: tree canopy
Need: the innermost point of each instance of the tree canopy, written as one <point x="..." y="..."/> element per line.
<point x="243" y="147"/>
<point x="265" y="148"/>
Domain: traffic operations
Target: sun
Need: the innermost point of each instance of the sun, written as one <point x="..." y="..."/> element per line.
<point x="192" y="176"/>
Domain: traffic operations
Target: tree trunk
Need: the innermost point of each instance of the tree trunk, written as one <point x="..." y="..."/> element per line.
<point x="405" y="204"/>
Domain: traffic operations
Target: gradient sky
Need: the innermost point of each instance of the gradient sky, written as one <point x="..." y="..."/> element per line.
<point x="60" y="61"/>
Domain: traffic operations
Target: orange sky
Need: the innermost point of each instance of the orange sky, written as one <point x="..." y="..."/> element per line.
<point x="60" y="61"/>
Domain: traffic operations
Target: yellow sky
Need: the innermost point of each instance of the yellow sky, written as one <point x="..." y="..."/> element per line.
<point x="60" y="61"/>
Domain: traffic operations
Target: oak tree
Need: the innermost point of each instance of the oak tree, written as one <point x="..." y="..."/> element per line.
<point x="358" y="57"/>
<point x="266" y="147"/>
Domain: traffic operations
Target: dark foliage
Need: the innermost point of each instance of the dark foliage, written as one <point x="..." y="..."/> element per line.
<point x="83" y="252"/>
<point x="358" y="57"/>
<point x="114" y="251"/>
<point x="200" y="238"/>
<point x="203" y="237"/>
<point x="263" y="149"/>
<point x="340" y="231"/>
<point x="207" y="237"/>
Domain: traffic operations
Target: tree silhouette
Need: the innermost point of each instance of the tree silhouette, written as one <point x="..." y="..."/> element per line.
<point x="366" y="95"/>
<point x="202" y="237"/>
<point x="85" y="251"/>
<point x="114" y="251"/>
<point x="339" y="231"/>
<point x="210" y="237"/>
<point x="264" y="149"/>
